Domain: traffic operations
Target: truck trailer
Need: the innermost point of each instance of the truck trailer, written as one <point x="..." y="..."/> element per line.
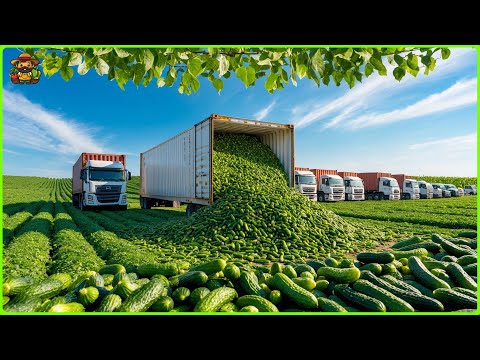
<point x="380" y="186"/>
<point x="181" y="168"/>
<point x="99" y="180"/>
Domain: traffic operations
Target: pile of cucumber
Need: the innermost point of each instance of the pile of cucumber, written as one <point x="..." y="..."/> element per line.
<point x="415" y="275"/>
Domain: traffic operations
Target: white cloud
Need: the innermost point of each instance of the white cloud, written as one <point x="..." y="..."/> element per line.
<point x="455" y="143"/>
<point x="462" y="93"/>
<point x="262" y="114"/>
<point x="373" y="91"/>
<point x="8" y="151"/>
<point x="30" y="125"/>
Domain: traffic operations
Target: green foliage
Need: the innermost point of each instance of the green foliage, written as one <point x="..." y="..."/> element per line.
<point x="455" y="180"/>
<point x="275" y="66"/>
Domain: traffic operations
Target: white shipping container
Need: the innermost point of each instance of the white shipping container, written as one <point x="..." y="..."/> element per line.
<point x="180" y="169"/>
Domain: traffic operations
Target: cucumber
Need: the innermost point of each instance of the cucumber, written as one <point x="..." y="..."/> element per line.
<point x="318" y="293"/>
<point x="388" y="269"/>
<point x="466" y="260"/>
<point x="289" y="270"/>
<point x="307" y="274"/>
<point x="328" y="305"/>
<point x="428" y="245"/>
<point x="372" y="257"/>
<point x="421" y="253"/>
<point x="460" y="277"/>
<point x="5" y="300"/>
<point x="440" y="255"/>
<point x="321" y="284"/>
<point x="181" y="308"/>
<point x="163" y="279"/>
<point x="110" y="303"/>
<point x="167" y="269"/>
<point x="399" y="284"/>
<point x="304" y="267"/>
<point x="216" y="299"/>
<point x="423" y="290"/>
<point x="263" y="305"/>
<point x="392" y="302"/>
<point x="162" y="304"/>
<point x="120" y="277"/>
<point x="306" y="283"/>
<point x="418" y="301"/>
<point x="263" y="278"/>
<point x="24" y="303"/>
<point x="143" y="298"/>
<point x="339" y="301"/>
<point x="315" y="264"/>
<point x="125" y="288"/>
<point x="17" y="285"/>
<point x="95" y="280"/>
<point x="275" y="268"/>
<point x="231" y="272"/>
<point x="250" y="285"/>
<point x="46" y="289"/>
<point x="442" y="275"/>
<point x="275" y="297"/>
<point x="424" y="276"/>
<point x="142" y="281"/>
<point x="471" y="269"/>
<point x="354" y="297"/>
<point x="449" y="258"/>
<point x="375" y="268"/>
<point x="229" y="307"/>
<point x="180" y="294"/>
<point x="69" y="307"/>
<point x="339" y="275"/>
<point x="112" y="269"/>
<point x="213" y="284"/>
<point x="51" y="303"/>
<point x="88" y="295"/>
<point x="249" y="308"/>
<point x="66" y="279"/>
<point x="198" y="294"/>
<point x="471" y="243"/>
<point x="293" y="292"/>
<point x="192" y="279"/>
<point x="454" y="300"/>
<point x="467" y="292"/>
<point x="345" y="263"/>
<point x="430" y="265"/>
<point x="211" y="267"/>
<point x="410" y="241"/>
<point x="331" y="262"/>
<point x="107" y="279"/>
<point x="453" y="249"/>
<point x="468" y="234"/>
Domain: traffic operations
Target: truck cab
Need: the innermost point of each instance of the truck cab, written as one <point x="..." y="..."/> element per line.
<point x="101" y="183"/>
<point x="354" y="189"/>
<point x="426" y="190"/>
<point x="470" y="190"/>
<point x="306" y="184"/>
<point x="411" y="190"/>
<point x="439" y="190"/>
<point x="454" y="190"/>
<point x="388" y="189"/>
<point x="331" y="188"/>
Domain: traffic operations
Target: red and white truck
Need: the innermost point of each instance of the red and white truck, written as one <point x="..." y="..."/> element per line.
<point x="380" y="186"/>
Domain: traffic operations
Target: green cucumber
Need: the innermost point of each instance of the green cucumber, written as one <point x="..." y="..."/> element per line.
<point x="181" y="308"/>
<point x="162" y="304"/>
<point x="17" y="285"/>
<point x="250" y="285"/>
<point x="428" y="245"/>
<point x="263" y="305"/>
<point x="315" y="264"/>
<point x="66" y="279"/>
<point x="449" y="258"/>
<point x="24" y="303"/>
<point x="143" y="298"/>
<point x="275" y="297"/>
<point x="430" y="265"/>
<point x="95" y="280"/>
<point x="305" y="267"/>
<point x="468" y="234"/>
<point x="372" y="257"/>
<point x="392" y="302"/>
<point x="120" y="277"/>
<point x="470" y="269"/>
<point x="112" y="269"/>
<point x="359" y="299"/>
<point x="231" y="272"/>
<point x="424" y="276"/>
<point x="69" y="307"/>
<point x="421" y="253"/>
<point x="467" y="292"/>
<point x="167" y="269"/>
<point x="210" y="267"/>
<point x="180" y="294"/>
<point x="453" y="249"/>
<point x="51" y="303"/>
<point x="454" y="300"/>
<point x="460" y="277"/>
<point x="198" y="294"/>
<point x="321" y="284"/>
<point x="289" y="270"/>
<point x="249" y="308"/>
<point x="213" y="284"/>
<point x="399" y="284"/>
<point x="192" y="279"/>
<point x="88" y="295"/>
<point x="410" y="241"/>
<point x="466" y="260"/>
<point x="275" y="268"/>
<point x="293" y="292"/>
<point x="125" y="288"/>
<point x="376" y="268"/>
<point x="328" y="305"/>
<point x="110" y="303"/>
<point x="46" y="289"/>
<point x="107" y="279"/>
<point x="318" y="293"/>
<point x="423" y="290"/>
<point x="229" y="307"/>
<point x="214" y="300"/>
<point x="306" y="283"/>
<point x="442" y="275"/>
<point x="346" y="275"/>
<point x="331" y="262"/>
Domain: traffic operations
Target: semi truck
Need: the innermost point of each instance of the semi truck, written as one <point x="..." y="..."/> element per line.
<point x="330" y="185"/>
<point x="354" y="189"/>
<point x="380" y="186"/>
<point x="180" y="169"/>
<point x="99" y="180"/>
<point x="306" y="184"/>
<point x="409" y="187"/>
<point x="426" y="190"/>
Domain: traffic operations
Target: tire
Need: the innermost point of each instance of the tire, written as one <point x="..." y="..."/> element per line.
<point x="122" y="207"/>
<point x="145" y="203"/>
<point x="321" y="197"/>
<point x="408" y="197"/>
<point x="369" y="197"/>
<point x="377" y="196"/>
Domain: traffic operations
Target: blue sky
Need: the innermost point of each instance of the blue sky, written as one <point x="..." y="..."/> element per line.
<point x="419" y="126"/>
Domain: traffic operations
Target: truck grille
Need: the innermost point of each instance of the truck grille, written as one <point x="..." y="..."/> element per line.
<point x="308" y="190"/>
<point x="338" y="191"/>
<point x="396" y="191"/>
<point x="358" y="191"/>
<point x="108" y="189"/>
<point x="108" y="198"/>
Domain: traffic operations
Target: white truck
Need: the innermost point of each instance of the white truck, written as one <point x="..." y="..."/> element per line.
<point x="454" y="190"/>
<point x="331" y="188"/>
<point x="470" y="190"/>
<point x="426" y="190"/>
<point x="380" y="186"/>
<point x="306" y="184"/>
<point x="439" y="191"/>
<point x="354" y="189"/>
<point x="99" y="180"/>
<point x="409" y="186"/>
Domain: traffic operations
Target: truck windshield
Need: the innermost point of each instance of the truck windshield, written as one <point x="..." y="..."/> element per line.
<point x="393" y="183"/>
<point x="450" y="186"/>
<point x="355" y="183"/>
<point x="415" y="184"/>
<point x="335" y="182"/>
<point x="106" y="175"/>
<point x="307" y="180"/>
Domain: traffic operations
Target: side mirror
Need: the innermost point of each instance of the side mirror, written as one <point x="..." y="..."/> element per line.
<point x="129" y="175"/>
<point x="82" y="174"/>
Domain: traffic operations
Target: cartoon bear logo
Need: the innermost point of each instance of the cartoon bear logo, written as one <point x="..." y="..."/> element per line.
<point x="25" y="71"/>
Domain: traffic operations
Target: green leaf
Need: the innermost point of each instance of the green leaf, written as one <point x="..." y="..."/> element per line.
<point x="368" y="70"/>
<point x="432" y="65"/>
<point x="194" y="84"/>
<point x="412" y="61"/>
<point x="398" y="73"/>
<point x="284" y="76"/>
<point x="218" y="84"/>
<point x="270" y="82"/>
<point x="66" y="73"/>
<point x="195" y="66"/>
<point x="378" y="65"/>
<point x="212" y="51"/>
<point x="326" y="79"/>
<point x="349" y="78"/>
<point x="121" y="53"/>
<point x="337" y="77"/>
<point x="138" y="73"/>
<point x="160" y="82"/>
<point x="398" y="59"/>
<point x="412" y="71"/>
<point x="148" y="59"/>
<point x="445" y="53"/>
<point x="246" y="74"/>
<point x="82" y="68"/>
<point x="365" y="54"/>
<point x="122" y="77"/>
<point x="345" y="55"/>
<point x="99" y="51"/>
<point x="75" y="59"/>
<point x="101" y="67"/>
<point x="317" y="62"/>
<point x="223" y="65"/>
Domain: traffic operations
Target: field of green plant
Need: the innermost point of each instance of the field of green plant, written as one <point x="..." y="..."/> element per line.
<point x="457" y="181"/>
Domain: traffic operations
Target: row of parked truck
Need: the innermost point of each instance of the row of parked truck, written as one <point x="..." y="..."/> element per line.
<point x="333" y="185"/>
<point x="180" y="171"/>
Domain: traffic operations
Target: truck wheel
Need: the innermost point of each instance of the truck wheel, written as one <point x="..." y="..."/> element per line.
<point x="369" y="197"/>
<point x="144" y="203"/>
<point x="377" y="197"/>
<point x="321" y="197"/>
<point x="408" y="197"/>
<point x="122" y="207"/>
